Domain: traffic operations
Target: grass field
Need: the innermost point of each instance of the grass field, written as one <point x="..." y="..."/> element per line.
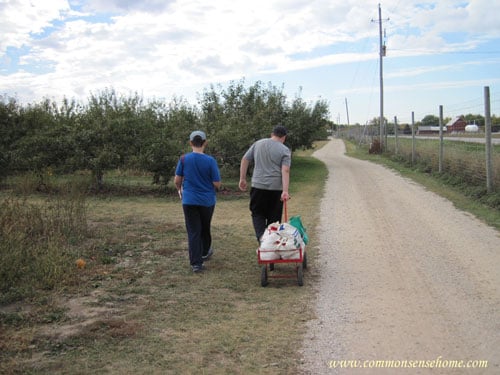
<point x="137" y="308"/>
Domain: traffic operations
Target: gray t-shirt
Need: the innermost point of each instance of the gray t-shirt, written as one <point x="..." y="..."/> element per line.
<point x="268" y="156"/>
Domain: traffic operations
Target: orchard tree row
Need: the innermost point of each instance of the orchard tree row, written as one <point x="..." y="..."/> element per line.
<point x="114" y="131"/>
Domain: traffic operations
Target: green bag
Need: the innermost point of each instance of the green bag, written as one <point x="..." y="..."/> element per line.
<point x="297" y="223"/>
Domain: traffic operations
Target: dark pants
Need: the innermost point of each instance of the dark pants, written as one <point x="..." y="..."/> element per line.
<point x="266" y="207"/>
<point x="198" y="221"/>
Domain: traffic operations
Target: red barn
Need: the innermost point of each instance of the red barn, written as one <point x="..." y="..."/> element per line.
<point x="457" y="125"/>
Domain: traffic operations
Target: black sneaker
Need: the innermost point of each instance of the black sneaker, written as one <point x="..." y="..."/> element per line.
<point x="197" y="269"/>
<point x="209" y="254"/>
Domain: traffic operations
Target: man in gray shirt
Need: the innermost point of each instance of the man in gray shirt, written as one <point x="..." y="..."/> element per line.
<point x="270" y="178"/>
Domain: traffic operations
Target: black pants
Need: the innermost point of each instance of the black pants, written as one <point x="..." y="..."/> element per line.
<point x="266" y="207"/>
<point x="198" y="221"/>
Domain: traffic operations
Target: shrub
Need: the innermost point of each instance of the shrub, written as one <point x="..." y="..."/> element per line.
<point x="375" y="147"/>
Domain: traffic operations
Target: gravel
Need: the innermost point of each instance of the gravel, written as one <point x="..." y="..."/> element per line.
<point x="406" y="279"/>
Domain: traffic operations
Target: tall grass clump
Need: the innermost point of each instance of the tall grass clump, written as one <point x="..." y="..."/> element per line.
<point x="35" y="247"/>
<point x="48" y="183"/>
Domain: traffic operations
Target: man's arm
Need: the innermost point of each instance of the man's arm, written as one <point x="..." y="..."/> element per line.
<point x="285" y="180"/>
<point x="243" y="173"/>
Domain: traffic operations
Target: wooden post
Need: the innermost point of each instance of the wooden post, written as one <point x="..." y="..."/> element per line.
<point x="412" y="138"/>
<point x="396" y="134"/>
<point x="487" y="132"/>
<point x="441" y="145"/>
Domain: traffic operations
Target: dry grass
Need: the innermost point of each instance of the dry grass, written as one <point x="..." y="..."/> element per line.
<point x="137" y="308"/>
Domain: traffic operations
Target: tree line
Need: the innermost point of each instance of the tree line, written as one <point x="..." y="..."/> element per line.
<point x="114" y="131"/>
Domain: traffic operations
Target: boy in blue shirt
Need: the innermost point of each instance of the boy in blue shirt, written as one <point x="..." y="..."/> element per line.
<point x="197" y="179"/>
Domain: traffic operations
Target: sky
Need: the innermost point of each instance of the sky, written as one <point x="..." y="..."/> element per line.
<point x="438" y="53"/>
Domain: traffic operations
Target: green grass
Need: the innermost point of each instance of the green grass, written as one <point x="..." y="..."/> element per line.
<point x="137" y="307"/>
<point x="463" y="194"/>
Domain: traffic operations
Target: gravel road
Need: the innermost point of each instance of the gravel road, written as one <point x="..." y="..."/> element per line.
<point x="406" y="279"/>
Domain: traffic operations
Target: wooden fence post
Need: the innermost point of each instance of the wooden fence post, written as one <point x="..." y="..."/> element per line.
<point x="487" y="132"/>
<point x="441" y="143"/>
<point x="412" y="138"/>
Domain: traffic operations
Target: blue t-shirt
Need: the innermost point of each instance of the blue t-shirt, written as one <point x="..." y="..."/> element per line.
<point x="200" y="171"/>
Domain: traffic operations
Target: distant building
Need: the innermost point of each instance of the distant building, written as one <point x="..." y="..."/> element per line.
<point x="429" y="130"/>
<point x="457" y="125"/>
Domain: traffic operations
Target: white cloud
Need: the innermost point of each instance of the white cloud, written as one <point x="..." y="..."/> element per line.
<point x="21" y="19"/>
<point x="425" y="70"/>
<point x="483" y="17"/>
<point x="119" y="6"/>
<point x="162" y="47"/>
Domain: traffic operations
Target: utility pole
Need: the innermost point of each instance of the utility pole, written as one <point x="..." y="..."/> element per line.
<point x="382" y="50"/>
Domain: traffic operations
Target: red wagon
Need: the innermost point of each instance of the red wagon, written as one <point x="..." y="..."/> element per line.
<point x="267" y="259"/>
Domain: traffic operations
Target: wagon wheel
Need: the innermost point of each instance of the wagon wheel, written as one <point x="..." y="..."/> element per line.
<point x="300" y="274"/>
<point x="263" y="276"/>
<point x="304" y="260"/>
<point x="271" y="266"/>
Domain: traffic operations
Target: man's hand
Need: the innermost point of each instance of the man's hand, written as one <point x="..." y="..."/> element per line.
<point x="243" y="184"/>
<point x="285" y="196"/>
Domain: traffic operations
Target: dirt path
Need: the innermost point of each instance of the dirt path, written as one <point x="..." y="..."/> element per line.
<point x="404" y="277"/>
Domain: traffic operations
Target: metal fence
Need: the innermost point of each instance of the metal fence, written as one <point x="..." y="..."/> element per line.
<point x="474" y="159"/>
<point x="459" y="158"/>
<point x="463" y="158"/>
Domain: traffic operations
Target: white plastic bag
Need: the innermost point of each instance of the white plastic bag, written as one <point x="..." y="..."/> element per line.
<point x="280" y="241"/>
<point x="290" y="237"/>
<point x="269" y="243"/>
<point x="268" y="254"/>
<point x="291" y="254"/>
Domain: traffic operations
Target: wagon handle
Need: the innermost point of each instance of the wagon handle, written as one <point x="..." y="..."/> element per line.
<point x="285" y="210"/>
